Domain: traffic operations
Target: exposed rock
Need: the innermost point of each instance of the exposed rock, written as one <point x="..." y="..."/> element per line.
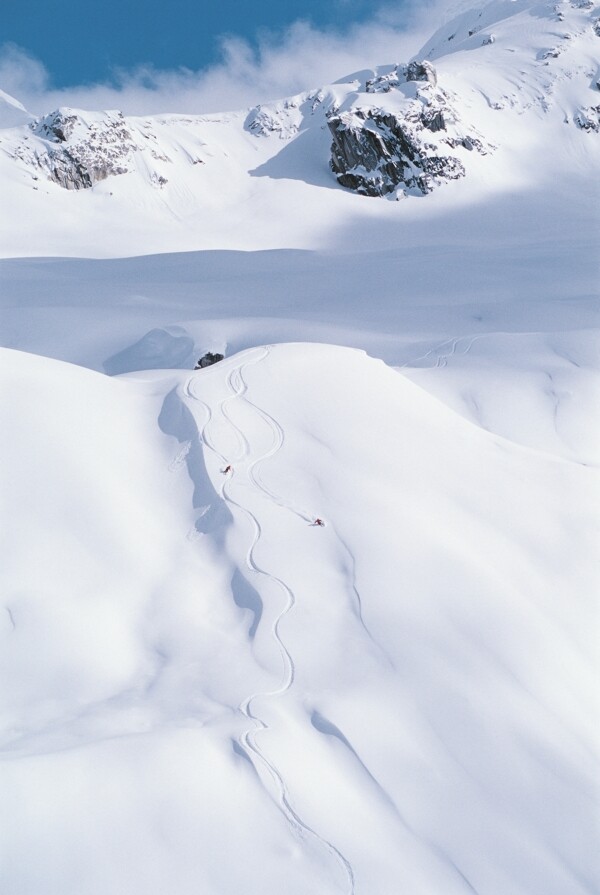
<point x="433" y="120"/>
<point x="81" y="154"/>
<point x="588" y="119"/>
<point x="383" y="83"/>
<point x="208" y="359"/>
<point x="421" y="71"/>
<point x="402" y="74"/>
<point x="58" y="126"/>
<point x="376" y="152"/>
<point x="468" y="143"/>
<point x="158" y="180"/>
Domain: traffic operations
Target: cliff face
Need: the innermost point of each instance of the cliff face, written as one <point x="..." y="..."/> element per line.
<point x="520" y="72"/>
<point x="77" y="154"/>
<point x="376" y="152"/>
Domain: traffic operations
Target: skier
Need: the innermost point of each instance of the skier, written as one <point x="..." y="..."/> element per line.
<point x="319" y="522"/>
<point x="227" y="470"/>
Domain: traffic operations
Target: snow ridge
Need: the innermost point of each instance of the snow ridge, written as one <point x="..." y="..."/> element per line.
<point x="248" y="739"/>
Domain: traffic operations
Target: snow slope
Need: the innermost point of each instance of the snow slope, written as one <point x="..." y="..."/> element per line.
<point x="200" y="690"/>
<point x="403" y="699"/>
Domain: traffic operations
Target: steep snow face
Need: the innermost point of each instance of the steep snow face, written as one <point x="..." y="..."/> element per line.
<point x="544" y="57"/>
<point x="193" y="671"/>
<point x="476" y="111"/>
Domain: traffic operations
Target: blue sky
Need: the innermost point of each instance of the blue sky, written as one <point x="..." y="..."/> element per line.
<point x="82" y="43"/>
<point x="198" y="57"/>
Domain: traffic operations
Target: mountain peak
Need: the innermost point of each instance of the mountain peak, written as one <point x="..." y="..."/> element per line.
<point x="475" y="110"/>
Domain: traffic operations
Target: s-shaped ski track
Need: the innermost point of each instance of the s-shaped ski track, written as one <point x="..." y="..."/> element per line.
<point x="238" y="384"/>
<point x="248" y="740"/>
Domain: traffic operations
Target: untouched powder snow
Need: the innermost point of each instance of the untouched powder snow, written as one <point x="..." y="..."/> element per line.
<point x="223" y="697"/>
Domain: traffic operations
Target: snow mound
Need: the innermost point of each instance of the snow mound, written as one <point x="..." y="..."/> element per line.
<point x="342" y="708"/>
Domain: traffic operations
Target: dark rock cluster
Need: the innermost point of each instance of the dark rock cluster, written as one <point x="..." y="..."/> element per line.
<point x="208" y="359"/>
<point x="375" y="152"/>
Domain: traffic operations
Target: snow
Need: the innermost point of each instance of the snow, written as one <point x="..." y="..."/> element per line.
<point x="214" y="182"/>
<point x="12" y="112"/>
<point x="200" y="689"/>
<point x="414" y="657"/>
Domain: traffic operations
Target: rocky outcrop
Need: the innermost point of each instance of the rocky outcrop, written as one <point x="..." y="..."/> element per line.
<point x="208" y="359"/>
<point x="588" y="119"/>
<point x="58" y="126"/>
<point x="80" y="153"/>
<point x="402" y="74"/>
<point x="282" y="119"/>
<point x="376" y="152"/>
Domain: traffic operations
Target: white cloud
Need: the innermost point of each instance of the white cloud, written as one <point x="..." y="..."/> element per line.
<point x="20" y="73"/>
<point x="281" y="65"/>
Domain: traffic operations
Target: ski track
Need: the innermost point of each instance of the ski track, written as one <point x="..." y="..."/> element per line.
<point x="238" y="384"/>
<point x="248" y="739"/>
<point x="441" y="359"/>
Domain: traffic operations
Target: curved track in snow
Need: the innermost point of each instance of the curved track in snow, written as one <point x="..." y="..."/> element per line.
<point x="240" y="388"/>
<point x="441" y="356"/>
<point x="248" y="739"/>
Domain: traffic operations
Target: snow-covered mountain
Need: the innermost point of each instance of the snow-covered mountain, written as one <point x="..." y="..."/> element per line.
<point x="202" y="690"/>
<point x="478" y="106"/>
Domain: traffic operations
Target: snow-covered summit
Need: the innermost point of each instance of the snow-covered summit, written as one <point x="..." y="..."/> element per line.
<point x="475" y="109"/>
